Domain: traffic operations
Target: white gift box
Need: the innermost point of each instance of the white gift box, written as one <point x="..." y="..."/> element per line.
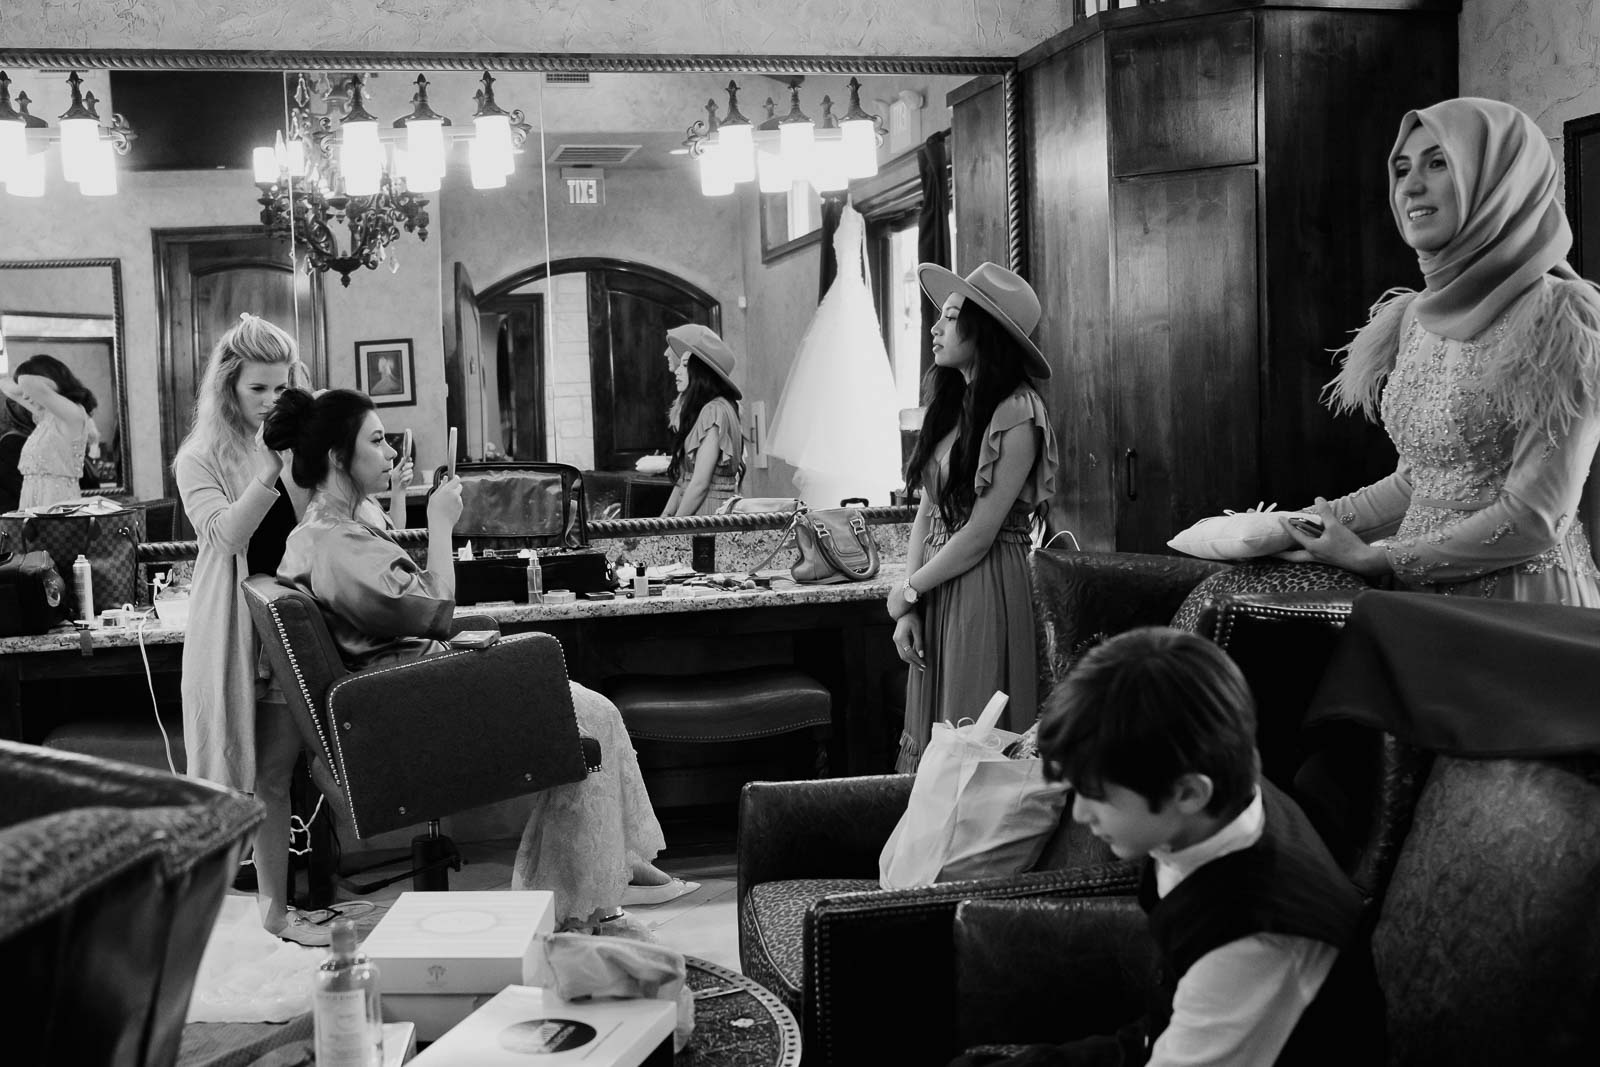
<point x="450" y="943"/>
<point x="523" y="1025"/>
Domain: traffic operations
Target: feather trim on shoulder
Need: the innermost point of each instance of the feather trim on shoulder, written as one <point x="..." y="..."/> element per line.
<point x="1545" y="371"/>
<point x="1369" y="357"/>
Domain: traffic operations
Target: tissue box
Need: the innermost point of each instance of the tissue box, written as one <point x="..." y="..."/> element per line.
<point x="523" y="1025"/>
<point x="438" y="943"/>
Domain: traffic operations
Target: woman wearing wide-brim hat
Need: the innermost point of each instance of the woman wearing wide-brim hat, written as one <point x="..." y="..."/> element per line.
<point x="708" y="446"/>
<point x="986" y="463"/>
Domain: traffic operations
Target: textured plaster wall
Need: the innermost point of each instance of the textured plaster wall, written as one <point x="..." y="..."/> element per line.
<point x="1541" y="55"/>
<point x="819" y="27"/>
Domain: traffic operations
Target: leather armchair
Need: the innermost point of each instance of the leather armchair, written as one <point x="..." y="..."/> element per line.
<point x="408" y="743"/>
<point x="110" y="880"/>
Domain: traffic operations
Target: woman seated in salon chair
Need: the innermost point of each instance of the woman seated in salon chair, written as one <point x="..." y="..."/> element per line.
<point x="590" y="842"/>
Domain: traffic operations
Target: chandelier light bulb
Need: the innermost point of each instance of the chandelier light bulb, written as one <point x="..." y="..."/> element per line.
<point x="360" y="157"/>
<point x="27" y="176"/>
<point x="796" y="141"/>
<point x="860" y="148"/>
<point x="487" y="168"/>
<point x="493" y="134"/>
<point x="424" y="150"/>
<point x="78" y="140"/>
<point x="13" y="147"/>
<point x="101" y="179"/>
<point x="772" y="176"/>
<point x="715" y="179"/>
<point x="737" y="144"/>
<point x="264" y="165"/>
<point x="828" y="174"/>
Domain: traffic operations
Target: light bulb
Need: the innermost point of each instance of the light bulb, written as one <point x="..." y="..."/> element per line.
<point x="78" y="138"/>
<point x="487" y="172"/>
<point x="771" y="174"/>
<point x="360" y="158"/>
<point x="13" y="147"/>
<point x="424" y="151"/>
<point x="27" y="177"/>
<point x="860" y="148"/>
<point x="493" y="132"/>
<point x="738" y="151"/>
<point x="795" y="140"/>
<point x="828" y="175"/>
<point x="294" y="158"/>
<point x="264" y="162"/>
<point x="714" y="177"/>
<point x="101" y="177"/>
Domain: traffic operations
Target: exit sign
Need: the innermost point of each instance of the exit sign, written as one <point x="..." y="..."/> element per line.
<point x="586" y="186"/>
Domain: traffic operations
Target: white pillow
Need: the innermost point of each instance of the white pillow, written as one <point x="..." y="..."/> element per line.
<point x="1242" y="536"/>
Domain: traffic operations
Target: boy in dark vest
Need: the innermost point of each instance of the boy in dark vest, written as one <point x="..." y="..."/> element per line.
<point x="1264" y="952"/>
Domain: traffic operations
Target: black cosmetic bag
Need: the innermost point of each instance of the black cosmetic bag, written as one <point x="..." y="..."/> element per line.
<point x="482" y="580"/>
<point x="32" y="595"/>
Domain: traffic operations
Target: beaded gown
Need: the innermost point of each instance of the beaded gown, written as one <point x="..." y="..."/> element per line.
<point x="978" y="626"/>
<point x="1479" y="505"/>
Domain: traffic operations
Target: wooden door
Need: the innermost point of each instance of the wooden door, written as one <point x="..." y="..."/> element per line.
<point x="630" y="313"/>
<point x="463" y="364"/>
<point x="1187" y="351"/>
<point x="207" y="278"/>
<point x="518" y="324"/>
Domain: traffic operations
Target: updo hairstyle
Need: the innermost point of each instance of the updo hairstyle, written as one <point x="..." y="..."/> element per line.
<point x="314" y="427"/>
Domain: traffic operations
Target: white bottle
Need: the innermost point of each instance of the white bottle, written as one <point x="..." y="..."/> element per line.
<point x="346" y="1007"/>
<point x="83" y="587"/>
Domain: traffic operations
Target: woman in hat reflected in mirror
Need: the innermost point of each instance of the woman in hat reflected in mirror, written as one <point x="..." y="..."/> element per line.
<point x="708" y="441"/>
<point x="985" y="460"/>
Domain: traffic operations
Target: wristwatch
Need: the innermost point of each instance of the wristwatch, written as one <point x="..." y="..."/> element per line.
<point x="910" y="591"/>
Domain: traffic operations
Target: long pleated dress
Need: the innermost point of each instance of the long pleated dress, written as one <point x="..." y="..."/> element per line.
<point x="978" y="626"/>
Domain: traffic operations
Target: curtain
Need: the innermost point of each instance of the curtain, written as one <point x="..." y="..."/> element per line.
<point x="933" y="225"/>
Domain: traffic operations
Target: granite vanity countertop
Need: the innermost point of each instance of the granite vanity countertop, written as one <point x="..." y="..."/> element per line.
<point x="783" y="593"/>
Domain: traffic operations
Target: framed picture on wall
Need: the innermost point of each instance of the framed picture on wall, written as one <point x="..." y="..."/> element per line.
<point x="386" y="371"/>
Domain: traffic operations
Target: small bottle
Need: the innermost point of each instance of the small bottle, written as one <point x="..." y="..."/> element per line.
<point x="535" y="580"/>
<point x="346" y="1006"/>
<point x="83" y="587"/>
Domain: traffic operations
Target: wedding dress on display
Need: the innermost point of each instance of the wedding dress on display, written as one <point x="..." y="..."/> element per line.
<point x="837" y="420"/>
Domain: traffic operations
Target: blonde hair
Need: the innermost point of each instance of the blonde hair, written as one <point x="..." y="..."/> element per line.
<point x="219" y="423"/>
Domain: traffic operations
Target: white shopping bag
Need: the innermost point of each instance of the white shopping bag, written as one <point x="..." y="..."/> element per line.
<point x="973" y="812"/>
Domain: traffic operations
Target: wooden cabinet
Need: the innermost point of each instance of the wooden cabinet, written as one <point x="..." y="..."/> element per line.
<point x="1207" y="218"/>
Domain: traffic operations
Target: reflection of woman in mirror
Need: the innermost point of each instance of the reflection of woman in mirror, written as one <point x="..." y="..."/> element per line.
<point x="236" y="730"/>
<point x="986" y="462"/>
<point x="52" y="459"/>
<point x="16" y="423"/>
<point x="587" y="841"/>
<point x="708" y="450"/>
<point x="386" y="375"/>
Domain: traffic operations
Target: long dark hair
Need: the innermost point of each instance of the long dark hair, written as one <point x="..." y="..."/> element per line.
<point x="314" y="427"/>
<point x="702" y="388"/>
<point x="66" y="382"/>
<point x="998" y="368"/>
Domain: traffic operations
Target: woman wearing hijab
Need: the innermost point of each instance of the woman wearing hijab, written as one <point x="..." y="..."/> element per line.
<point x="1488" y="380"/>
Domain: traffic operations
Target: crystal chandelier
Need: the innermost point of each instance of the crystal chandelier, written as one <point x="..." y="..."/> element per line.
<point x="320" y="173"/>
<point x="88" y="149"/>
<point x="783" y="151"/>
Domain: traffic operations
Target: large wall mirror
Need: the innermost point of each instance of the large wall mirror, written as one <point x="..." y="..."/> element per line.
<point x="535" y="312"/>
<point x="71" y="309"/>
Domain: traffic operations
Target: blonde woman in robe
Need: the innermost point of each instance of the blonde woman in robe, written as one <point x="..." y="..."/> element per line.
<point x="1488" y="380"/>
<point x="590" y="842"/>
<point x="242" y="510"/>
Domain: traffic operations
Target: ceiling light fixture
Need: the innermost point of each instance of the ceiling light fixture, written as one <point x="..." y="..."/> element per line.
<point x="88" y="150"/>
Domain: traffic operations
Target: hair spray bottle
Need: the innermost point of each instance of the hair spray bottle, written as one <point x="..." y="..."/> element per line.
<point x="83" y="588"/>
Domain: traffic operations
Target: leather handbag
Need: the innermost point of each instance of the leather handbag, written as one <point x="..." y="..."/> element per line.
<point x="31" y="594"/>
<point x="835" y="545"/>
<point x="109" y="539"/>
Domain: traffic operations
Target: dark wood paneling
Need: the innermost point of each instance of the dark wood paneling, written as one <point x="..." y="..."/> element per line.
<point x="978" y="166"/>
<point x="1182" y="95"/>
<point x="1185" y="326"/>
<point x="1329" y="241"/>
<point x="1070" y="242"/>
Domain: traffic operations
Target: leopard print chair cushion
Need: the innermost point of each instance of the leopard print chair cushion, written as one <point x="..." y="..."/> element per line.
<point x="1263" y="576"/>
<point x="773" y="918"/>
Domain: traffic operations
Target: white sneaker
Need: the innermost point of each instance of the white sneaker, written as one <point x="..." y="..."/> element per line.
<point x="643" y="896"/>
<point x="302" y="931"/>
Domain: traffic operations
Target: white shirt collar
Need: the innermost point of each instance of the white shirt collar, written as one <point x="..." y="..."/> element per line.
<point x="1244" y="831"/>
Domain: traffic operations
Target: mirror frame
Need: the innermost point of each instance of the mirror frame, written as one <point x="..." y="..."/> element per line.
<point x="575" y="63"/>
<point x="119" y="375"/>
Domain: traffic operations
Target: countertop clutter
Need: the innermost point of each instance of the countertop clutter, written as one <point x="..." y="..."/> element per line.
<point x="686" y="599"/>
